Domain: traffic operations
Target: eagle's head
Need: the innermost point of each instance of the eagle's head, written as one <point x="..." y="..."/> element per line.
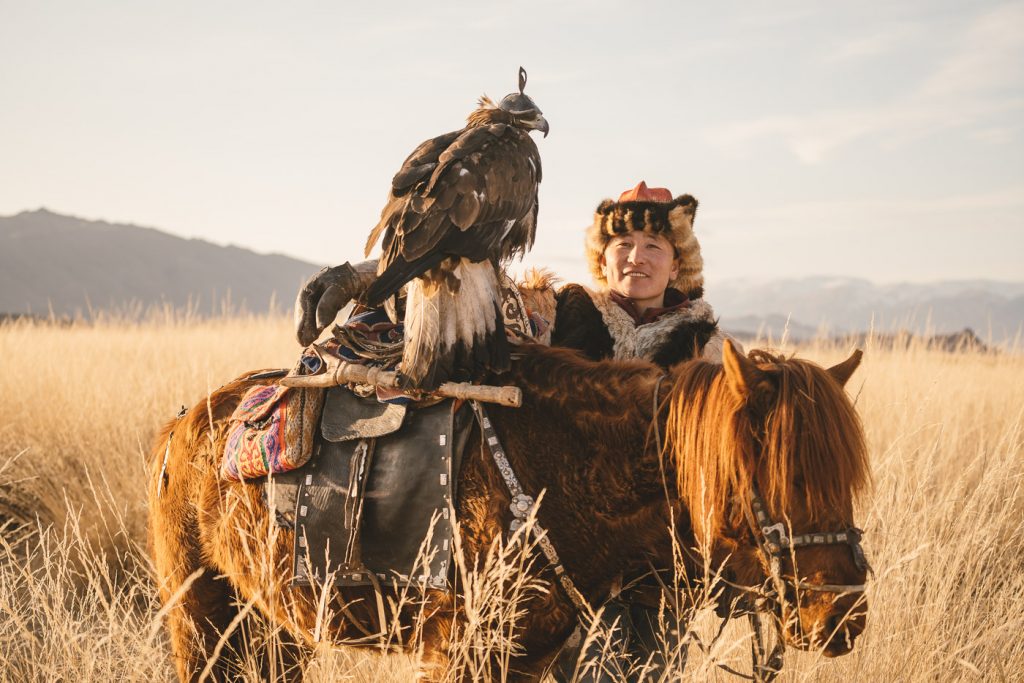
<point x="517" y="108"/>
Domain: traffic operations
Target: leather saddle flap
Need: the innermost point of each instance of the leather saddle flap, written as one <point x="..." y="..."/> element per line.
<point x="347" y="417"/>
<point x="408" y="490"/>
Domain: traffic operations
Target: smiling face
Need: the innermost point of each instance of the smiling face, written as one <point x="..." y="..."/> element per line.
<point x="639" y="265"/>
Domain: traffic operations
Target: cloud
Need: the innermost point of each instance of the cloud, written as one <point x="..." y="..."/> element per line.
<point x="980" y="79"/>
<point x="875" y="44"/>
<point x="824" y="213"/>
<point x="996" y="135"/>
<point x="991" y="57"/>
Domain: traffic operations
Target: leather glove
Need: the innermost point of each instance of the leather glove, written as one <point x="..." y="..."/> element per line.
<point x="323" y="296"/>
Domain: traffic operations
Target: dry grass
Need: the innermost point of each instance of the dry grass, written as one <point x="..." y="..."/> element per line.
<point x="944" y="523"/>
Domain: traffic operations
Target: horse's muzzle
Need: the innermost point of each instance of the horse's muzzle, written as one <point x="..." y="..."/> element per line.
<point x="842" y="627"/>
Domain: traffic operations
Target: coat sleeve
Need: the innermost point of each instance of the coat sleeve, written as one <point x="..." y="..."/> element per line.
<point x="579" y="325"/>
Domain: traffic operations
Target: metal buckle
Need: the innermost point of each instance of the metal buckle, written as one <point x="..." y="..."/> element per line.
<point x="521" y="505"/>
<point x="780" y="529"/>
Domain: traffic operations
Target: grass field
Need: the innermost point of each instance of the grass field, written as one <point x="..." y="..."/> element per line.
<point x="79" y="406"/>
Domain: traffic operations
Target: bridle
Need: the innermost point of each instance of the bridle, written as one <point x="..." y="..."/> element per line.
<point x="773" y="538"/>
<point x="775" y="542"/>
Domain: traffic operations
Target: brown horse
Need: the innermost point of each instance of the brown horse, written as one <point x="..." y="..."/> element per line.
<point x="759" y="432"/>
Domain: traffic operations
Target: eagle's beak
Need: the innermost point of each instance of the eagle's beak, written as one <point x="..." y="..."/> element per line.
<point x="542" y="125"/>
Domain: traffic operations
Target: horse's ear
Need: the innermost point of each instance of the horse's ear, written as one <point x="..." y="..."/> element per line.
<point x="740" y="372"/>
<point x="841" y="372"/>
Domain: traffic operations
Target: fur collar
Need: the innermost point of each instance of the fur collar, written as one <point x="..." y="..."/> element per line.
<point x="651" y="339"/>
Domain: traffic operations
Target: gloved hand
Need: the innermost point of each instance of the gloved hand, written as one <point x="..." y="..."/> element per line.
<point x="326" y="293"/>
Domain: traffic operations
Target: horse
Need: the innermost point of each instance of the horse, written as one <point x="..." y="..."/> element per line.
<point x="623" y="451"/>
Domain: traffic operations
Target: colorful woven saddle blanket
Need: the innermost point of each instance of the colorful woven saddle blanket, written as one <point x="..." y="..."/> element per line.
<point x="272" y="431"/>
<point x="380" y="483"/>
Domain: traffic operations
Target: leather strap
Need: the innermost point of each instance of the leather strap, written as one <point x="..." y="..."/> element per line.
<point x="521" y="506"/>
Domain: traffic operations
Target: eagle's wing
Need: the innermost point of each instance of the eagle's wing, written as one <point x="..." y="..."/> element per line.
<point x="418" y="166"/>
<point x="468" y="194"/>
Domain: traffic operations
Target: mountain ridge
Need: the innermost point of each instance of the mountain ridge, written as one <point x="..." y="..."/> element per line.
<point x="843" y="305"/>
<point x="68" y="265"/>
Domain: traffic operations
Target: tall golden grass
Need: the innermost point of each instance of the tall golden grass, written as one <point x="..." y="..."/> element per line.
<point x="79" y="405"/>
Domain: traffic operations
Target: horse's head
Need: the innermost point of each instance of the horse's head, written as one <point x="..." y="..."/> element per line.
<point x="769" y="455"/>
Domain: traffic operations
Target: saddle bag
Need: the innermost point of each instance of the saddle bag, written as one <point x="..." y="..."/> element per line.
<point x="272" y="431"/>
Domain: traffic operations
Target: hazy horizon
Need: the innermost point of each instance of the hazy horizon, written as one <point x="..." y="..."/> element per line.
<point x="872" y="141"/>
<point x="572" y="271"/>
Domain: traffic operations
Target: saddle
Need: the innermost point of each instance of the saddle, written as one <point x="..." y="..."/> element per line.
<point x="370" y="489"/>
<point x="375" y="502"/>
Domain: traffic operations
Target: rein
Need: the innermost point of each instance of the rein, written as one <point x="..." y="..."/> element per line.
<point x="521" y="506"/>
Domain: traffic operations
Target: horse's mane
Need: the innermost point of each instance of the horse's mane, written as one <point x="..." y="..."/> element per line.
<point x="800" y="436"/>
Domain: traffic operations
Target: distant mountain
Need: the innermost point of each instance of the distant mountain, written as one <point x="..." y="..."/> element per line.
<point x="772" y="325"/>
<point x="839" y="305"/>
<point x="67" y="264"/>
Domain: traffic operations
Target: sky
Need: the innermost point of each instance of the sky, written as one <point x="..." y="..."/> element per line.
<point x="872" y="139"/>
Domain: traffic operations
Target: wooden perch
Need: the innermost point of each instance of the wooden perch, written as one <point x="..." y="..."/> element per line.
<point x="343" y="373"/>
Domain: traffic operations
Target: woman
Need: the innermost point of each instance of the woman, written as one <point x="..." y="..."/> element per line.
<point x="648" y="304"/>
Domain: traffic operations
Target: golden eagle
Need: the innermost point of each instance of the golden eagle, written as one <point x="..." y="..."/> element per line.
<point x="461" y="205"/>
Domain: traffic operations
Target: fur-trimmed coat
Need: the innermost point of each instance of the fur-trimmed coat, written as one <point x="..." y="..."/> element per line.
<point x="590" y="321"/>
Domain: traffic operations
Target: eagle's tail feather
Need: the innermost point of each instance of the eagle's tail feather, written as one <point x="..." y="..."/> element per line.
<point x="423" y="364"/>
<point x="447" y="334"/>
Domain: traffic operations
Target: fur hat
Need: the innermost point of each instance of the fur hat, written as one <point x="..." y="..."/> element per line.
<point x="651" y="210"/>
